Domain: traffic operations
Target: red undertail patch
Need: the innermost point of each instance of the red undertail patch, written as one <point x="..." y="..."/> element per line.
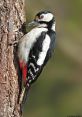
<point x="24" y="73"/>
<point x="23" y="67"/>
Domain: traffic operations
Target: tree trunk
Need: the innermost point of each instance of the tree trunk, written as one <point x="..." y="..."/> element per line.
<point x="11" y="20"/>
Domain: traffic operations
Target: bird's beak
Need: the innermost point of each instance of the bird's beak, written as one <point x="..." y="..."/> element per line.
<point x="33" y="23"/>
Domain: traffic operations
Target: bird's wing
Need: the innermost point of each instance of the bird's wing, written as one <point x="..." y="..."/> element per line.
<point x="37" y="57"/>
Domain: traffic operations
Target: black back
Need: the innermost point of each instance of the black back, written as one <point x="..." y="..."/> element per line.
<point x="34" y="55"/>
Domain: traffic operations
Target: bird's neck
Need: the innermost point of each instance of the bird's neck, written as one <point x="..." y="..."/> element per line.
<point x="53" y="27"/>
<point x="49" y="26"/>
<point x="42" y="25"/>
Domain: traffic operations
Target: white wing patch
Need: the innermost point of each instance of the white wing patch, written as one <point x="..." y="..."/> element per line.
<point x="45" y="48"/>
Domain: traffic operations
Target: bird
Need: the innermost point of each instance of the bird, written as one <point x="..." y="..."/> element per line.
<point x="36" y="47"/>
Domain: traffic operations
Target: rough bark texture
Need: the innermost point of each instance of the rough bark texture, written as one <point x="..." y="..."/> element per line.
<point x="11" y="20"/>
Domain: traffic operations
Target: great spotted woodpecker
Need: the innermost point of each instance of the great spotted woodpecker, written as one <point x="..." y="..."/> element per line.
<point x="36" y="47"/>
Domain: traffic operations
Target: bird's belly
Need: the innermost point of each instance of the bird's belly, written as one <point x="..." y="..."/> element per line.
<point x="24" y="53"/>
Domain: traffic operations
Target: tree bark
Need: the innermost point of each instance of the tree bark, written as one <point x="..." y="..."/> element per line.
<point x="11" y="20"/>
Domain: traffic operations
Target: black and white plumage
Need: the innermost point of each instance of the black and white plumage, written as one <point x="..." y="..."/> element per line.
<point x="37" y="46"/>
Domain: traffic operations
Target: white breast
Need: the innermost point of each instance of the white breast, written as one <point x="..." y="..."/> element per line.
<point x="27" y="42"/>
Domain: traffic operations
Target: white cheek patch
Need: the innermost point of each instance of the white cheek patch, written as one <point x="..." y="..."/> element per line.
<point x="47" y="17"/>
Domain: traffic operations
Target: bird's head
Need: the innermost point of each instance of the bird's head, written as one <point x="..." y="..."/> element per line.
<point x="44" y="19"/>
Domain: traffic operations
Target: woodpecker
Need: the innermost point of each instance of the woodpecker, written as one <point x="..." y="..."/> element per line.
<point x="36" y="47"/>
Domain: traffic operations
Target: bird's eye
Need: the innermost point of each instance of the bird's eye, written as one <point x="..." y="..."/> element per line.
<point x="41" y="16"/>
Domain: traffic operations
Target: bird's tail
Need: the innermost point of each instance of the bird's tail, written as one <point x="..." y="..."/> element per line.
<point x="24" y="96"/>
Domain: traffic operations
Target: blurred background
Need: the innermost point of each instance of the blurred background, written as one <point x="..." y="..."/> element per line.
<point x="58" y="91"/>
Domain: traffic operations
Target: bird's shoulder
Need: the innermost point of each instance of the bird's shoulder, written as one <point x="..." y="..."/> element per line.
<point x="37" y="31"/>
